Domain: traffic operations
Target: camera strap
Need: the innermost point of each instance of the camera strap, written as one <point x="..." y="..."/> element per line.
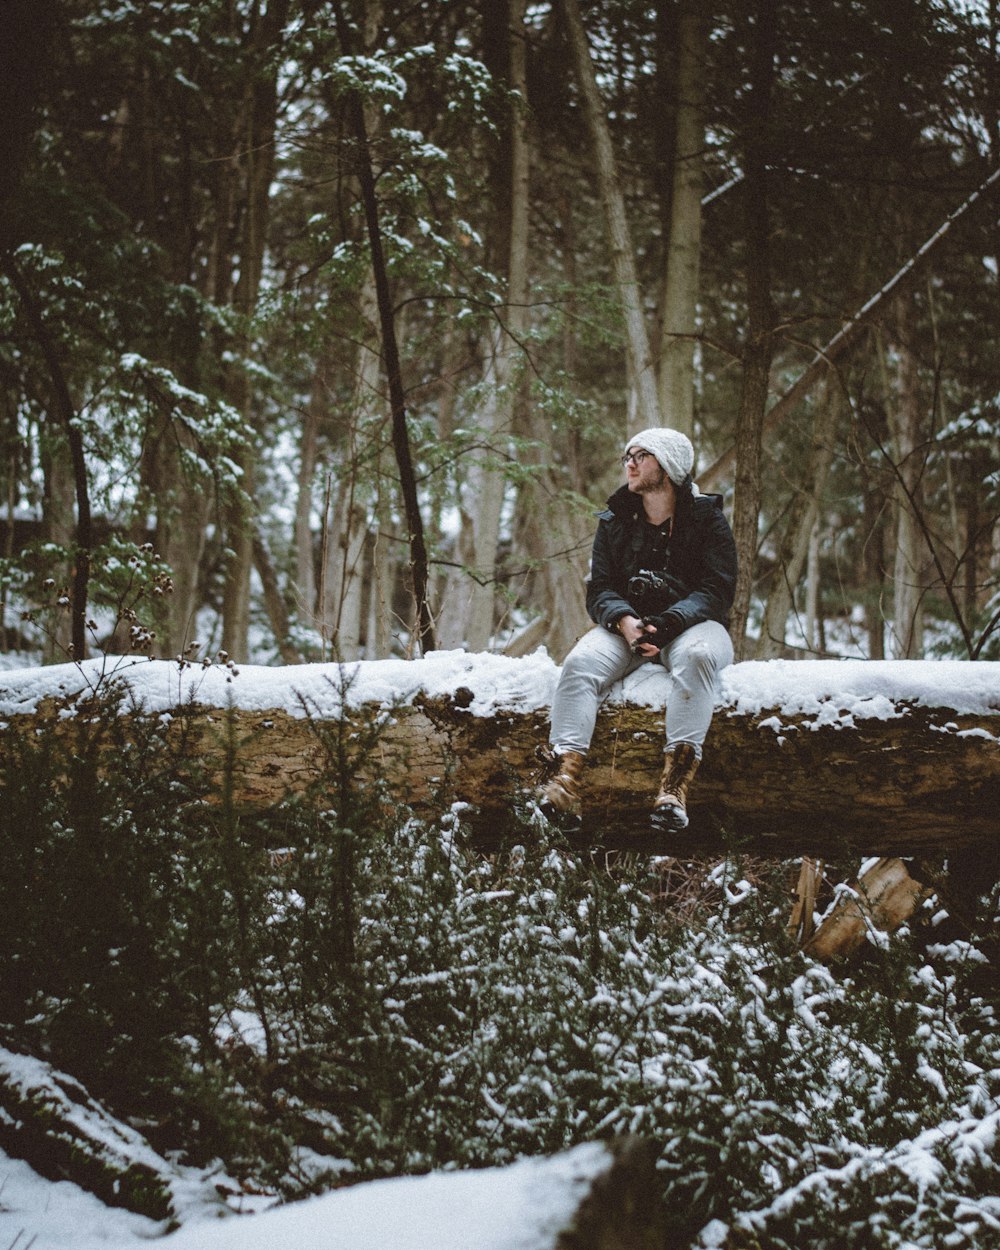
<point x="654" y="548"/>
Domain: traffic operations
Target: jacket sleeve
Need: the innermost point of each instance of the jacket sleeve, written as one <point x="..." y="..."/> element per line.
<point x="712" y="578"/>
<point x="606" y="604"/>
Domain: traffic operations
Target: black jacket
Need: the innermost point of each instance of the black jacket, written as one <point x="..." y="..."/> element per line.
<point x="702" y="555"/>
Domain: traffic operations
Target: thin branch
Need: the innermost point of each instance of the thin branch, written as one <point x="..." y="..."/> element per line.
<point x="846" y="335"/>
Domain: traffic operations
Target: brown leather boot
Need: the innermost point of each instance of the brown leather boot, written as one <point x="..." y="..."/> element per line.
<point x="560" y="798"/>
<point x="669" y="813"/>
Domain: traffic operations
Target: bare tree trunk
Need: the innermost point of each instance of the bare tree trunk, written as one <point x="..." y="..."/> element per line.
<point x="63" y="414"/>
<point x="346" y="528"/>
<point x="422" y="627"/>
<point x="274" y="602"/>
<point x="239" y="561"/>
<point x="760" y="323"/>
<point x="553" y="531"/>
<point x="57" y="528"/>
<point x="487" y="486"/>
<point x="910" y="558"/>
<point x="183" y="509"/>
<point x="800" y="527"/>
<point x="642" y="381"/>
<point x="305" y="559"/>
<point x="255" y="151"/>
<point x="682" y="277"/>
<point x="839" y="790"/>
<point x="813" y="600"/>
<point x="342" y="610"/>
<point x="558" y="538"/>
<point x="873" y="569"/>
<point x="488" y="480"/>
<point x="384" y="565"/>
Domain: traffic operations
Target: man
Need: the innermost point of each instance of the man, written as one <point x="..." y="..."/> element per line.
<point x="660" y="588"/>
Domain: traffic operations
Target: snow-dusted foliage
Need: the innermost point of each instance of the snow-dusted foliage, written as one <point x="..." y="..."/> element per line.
<point x="338" y="991"/>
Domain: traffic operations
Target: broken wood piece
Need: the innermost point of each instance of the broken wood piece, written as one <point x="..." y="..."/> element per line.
<point x="884" y="897"/>
<point x="802" y="921"/>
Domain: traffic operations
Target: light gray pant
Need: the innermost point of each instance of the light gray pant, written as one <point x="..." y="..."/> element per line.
<point x="601" y="658"/>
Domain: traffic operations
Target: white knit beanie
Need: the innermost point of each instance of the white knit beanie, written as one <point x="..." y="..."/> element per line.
<point x="672" y="449"/>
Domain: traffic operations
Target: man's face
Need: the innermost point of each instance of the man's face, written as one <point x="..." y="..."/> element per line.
<point x="642" y="471"/>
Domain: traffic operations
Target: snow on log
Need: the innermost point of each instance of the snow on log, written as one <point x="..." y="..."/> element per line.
<point x="597" y="1196"/>
<point x="804" y="757"/>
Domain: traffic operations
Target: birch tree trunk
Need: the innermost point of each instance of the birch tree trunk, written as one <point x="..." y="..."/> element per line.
<point x="487" y="485"/>
<point x="305" y="565"/>
<point x="488" y="480"/>
<point x="681" y="280"/>
<point x="760" y="324"/>
<point x="642" y="380"/>
<point x="910" y="557"/>
<point x="383" y="562"/>
<point x="346" y="526"/>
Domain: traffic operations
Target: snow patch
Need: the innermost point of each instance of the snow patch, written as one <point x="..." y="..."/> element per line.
<point x="794" y="694"/>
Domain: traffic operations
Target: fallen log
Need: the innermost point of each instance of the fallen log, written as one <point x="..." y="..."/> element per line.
<point x="48" y="1119"/>
<point x="822" y="758"/>
<point x="595" y="1196"/>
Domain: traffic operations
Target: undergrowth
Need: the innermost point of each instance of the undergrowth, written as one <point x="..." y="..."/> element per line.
<point x="335" y="990"/>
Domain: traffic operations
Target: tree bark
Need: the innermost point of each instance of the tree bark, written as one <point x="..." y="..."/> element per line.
<point x="304" y="576"/>
<point x="873" y="567"/>
<point x="183" y="509"/>
<point x="274" y="602"/>
<point x="814" y="623"/>
<point x="642" y="379"/>
<point x="884" y="897"/>
<point x="57" y="528"/>
<point x="255" y="152"/>
<point x="345" y="531"/>
<point x="488" y="480"/>
<point x="422" y="626"/>
<point x="346" y="521"/>
<point x="760" y="323"/>
<point x="910" y="555"/>
<point x="63" y="412"/>
<point x="920" y="781"/>
<point x="50" y="1121"/>
<point x="682" y="277"/>
<point x="799" y="529"/>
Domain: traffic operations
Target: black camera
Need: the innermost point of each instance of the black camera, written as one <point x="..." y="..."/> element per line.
<point x="652" y="593"/>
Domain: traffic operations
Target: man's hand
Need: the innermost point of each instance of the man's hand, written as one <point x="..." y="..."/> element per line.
<point x="662" y="630"/>
<point x="636" y="633"/>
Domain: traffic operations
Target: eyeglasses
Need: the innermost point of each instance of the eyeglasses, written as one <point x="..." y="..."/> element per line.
<point x="634" y="457"/>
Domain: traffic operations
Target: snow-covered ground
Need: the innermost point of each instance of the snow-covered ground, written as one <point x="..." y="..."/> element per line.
<point x="45" y="1214"/>
<point x="521" y="1207"/>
